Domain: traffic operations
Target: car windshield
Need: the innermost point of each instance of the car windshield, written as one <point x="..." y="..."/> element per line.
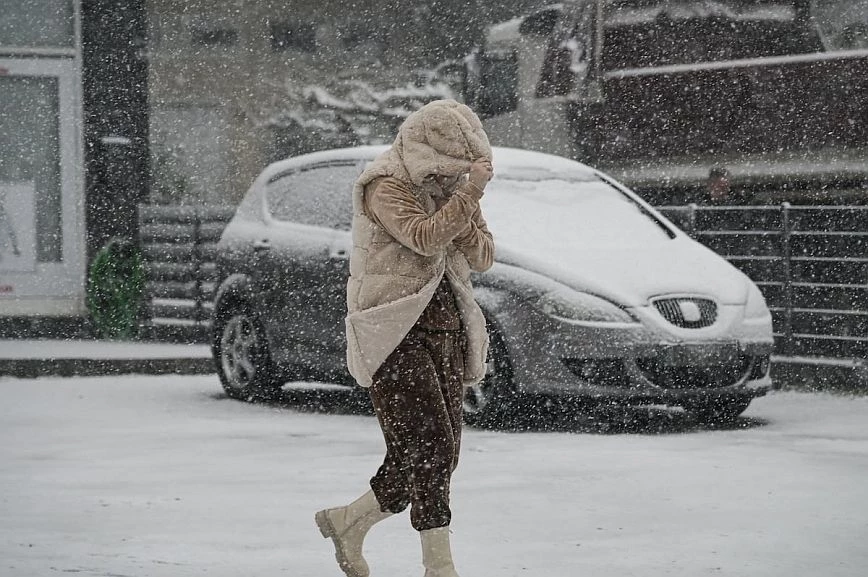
<point x="566" y="212"/>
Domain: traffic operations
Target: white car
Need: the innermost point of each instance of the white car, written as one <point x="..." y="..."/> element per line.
<point x="593" y="293"/>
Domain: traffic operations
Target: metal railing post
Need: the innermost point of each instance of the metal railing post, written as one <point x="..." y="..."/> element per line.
<point x="197" y="264"/>
<point x="144" y="310"/>
<point x="786" y="254"/>
<point x="691" y="219"/>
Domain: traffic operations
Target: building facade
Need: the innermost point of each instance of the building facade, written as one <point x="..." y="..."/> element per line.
<point x="231" y="83"/>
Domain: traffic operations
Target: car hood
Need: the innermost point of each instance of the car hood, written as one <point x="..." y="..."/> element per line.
<point x="578" y="230"/>
<point x="631" y="276"/>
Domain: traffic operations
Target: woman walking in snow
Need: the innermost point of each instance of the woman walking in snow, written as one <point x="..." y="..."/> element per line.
<point x="416" y="336"/>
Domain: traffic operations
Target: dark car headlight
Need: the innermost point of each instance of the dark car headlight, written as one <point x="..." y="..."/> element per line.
<point x="577" y="307"/>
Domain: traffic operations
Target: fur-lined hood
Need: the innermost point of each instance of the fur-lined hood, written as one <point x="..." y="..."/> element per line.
<point x="443" y="137"/>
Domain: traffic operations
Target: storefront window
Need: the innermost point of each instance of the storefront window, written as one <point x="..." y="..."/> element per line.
<point x="37" y="23"/>
<point x="30" y="188"/>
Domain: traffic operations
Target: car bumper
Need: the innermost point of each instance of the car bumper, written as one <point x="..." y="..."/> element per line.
<point x="642" y="364"/>
<point x="659" y="395"/>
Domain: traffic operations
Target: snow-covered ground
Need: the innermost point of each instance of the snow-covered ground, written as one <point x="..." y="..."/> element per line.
<point x="164" y="476"/>
<point x="20" y="349"/>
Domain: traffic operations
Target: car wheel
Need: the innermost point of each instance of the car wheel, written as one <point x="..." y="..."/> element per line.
<point x="718" y="410"/>
<point x="241" y="353"/>
<point x="492" y="401"/>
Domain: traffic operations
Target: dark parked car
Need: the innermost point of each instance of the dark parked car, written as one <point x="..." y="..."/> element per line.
<point x="593" y="294"/>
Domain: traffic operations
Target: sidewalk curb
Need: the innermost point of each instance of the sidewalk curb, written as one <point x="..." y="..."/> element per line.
<point x="82" y="367"/>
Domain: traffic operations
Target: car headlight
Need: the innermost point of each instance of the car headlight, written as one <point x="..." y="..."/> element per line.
<point x="755" y="307"/>
<point x="581" y="307"/>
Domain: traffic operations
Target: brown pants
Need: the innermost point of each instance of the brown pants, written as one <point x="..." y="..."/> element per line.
<point x="417" y="396"/>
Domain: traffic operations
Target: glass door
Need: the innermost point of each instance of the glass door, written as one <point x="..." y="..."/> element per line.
<point x="41" y="188"/>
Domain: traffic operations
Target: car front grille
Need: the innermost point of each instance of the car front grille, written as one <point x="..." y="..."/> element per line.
<point x="687" y="312"/>
<point x="600" y="372"/>
<point x="669" y="376"/>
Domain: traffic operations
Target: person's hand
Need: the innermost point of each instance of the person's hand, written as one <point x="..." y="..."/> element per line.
<point x="481" y="172"/>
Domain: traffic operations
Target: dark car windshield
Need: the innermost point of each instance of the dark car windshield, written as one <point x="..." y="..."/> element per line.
<point x="570" y="211"/>
<point x="650" y="33"/>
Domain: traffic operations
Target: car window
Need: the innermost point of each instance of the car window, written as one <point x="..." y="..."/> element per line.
<point x="318" y="195"/>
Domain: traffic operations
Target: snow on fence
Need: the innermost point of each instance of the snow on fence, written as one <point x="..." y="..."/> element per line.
<point x="811" y="262"/>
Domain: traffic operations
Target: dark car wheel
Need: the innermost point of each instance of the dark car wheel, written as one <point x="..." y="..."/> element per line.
<point x="718" y="410"/>
<point x="492" y="402"/>
<point x="242" y="357"/>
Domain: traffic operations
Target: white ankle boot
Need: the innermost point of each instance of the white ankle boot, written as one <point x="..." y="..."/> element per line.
<point x="347" y="527"/>
<point x="436" y="553"/>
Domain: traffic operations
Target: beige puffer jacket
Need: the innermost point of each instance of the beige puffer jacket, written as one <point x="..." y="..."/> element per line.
<point x="393" y="276"/>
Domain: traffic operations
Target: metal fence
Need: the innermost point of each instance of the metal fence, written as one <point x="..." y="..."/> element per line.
<point x="178" y="244"/>
<point x="810" y="262"/>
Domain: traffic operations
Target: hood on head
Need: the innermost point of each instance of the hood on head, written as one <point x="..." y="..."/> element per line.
<point x="443" y="137"/>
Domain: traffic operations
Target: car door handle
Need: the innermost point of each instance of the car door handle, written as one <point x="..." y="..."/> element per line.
<point x="261" y="245"/>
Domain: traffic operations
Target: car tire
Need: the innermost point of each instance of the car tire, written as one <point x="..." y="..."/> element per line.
<point x="718" y="410"/>
<point x="492" y="403"/>
<point x="242" y="357"/>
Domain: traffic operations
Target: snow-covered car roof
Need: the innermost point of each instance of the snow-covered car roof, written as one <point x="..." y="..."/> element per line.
<point x="507" y="161"/>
